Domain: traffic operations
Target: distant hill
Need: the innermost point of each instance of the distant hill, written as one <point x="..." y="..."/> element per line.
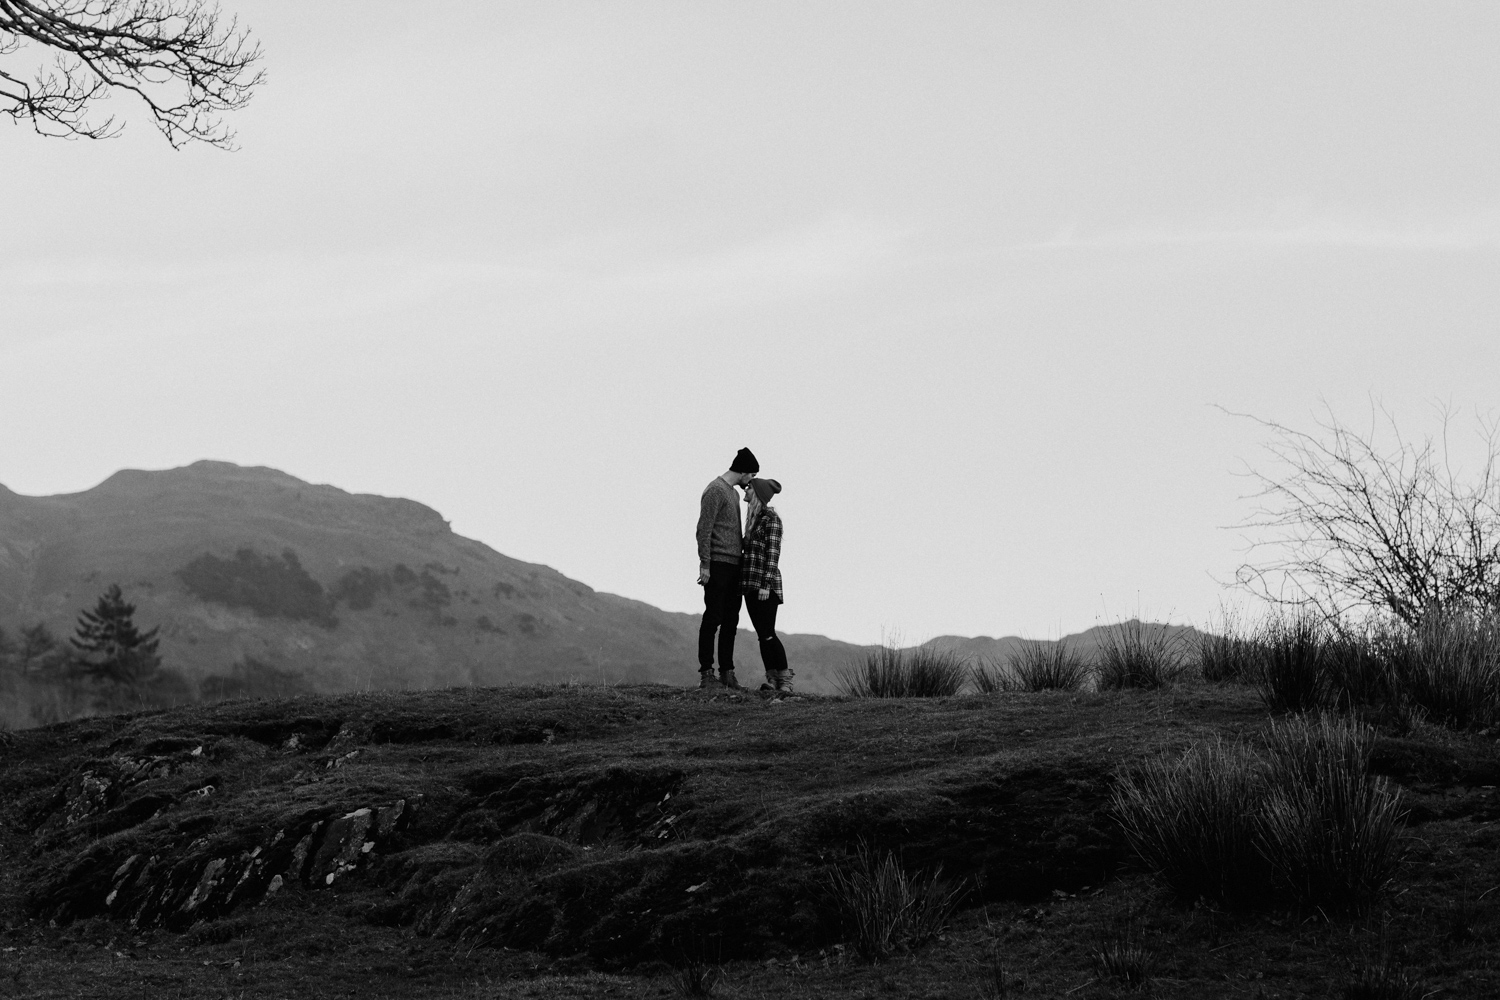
<point x="264" y="584"/>
<point x="1086" y="643"/>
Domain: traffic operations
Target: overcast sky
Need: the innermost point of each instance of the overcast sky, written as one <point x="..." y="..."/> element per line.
<point x="970" y="279"/>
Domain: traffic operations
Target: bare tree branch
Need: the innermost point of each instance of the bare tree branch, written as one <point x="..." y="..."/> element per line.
<point x="1349" y="526"/>
<point x="176" y="56"/>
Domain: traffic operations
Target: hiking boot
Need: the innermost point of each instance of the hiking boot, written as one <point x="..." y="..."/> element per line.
<point x="783" y="681"/>
<point x="726" y="678"/>
<point x="706" y="681"/>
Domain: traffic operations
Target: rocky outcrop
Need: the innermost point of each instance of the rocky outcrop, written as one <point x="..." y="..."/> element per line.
<point x="164" y="888"/>
<point x="97" y="800"/>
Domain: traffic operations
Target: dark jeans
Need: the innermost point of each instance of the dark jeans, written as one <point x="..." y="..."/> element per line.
<point x="721" y="613"/>
<point x="763" y="617"/>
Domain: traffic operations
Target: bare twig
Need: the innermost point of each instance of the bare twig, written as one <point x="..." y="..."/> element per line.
<point x="1348" y="524"/>
<point x="176" y="56"/>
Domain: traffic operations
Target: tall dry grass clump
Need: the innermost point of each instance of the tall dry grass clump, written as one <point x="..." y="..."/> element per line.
<point x="1228" y="655"/>
<point x="889" y="671"/>
<point x="888" y="909"/>
<point x="1301" y="821"/>
<point x="1292" y="664"/>
<point x="1192" y="822"/>
<point x="1034" y="666"/>
<point x="1450" y="667"/>
<point x="1134" y="654"/>
<point x="990" y="677"/>
<point x="1329" y="830"/>
<point x="1356" y="666"/>
<point x="1445" y="669"/>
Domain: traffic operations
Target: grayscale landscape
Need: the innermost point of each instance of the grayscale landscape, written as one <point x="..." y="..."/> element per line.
<point x="554" y="499"/>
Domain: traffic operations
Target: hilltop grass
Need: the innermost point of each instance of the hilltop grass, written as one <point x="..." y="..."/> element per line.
<point x="1035" y="666"/>
<point x="1134" y="654"/>
<point x="1301" y="823"/>
<point x="547" y="806"/>
<point x="890" y="671"/>
<point x="1445" y="671"/>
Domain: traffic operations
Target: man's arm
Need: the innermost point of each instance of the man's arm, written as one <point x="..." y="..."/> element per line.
<point x="708" y="513"/>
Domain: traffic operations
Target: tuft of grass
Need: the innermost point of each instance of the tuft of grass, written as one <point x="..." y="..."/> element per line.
<point x="1136" y="655"/>
<point x="1384" y="980"/>
<point x="1292" y="672"/>
<point x="890" y="910"/>
<point x="889" y="671"/>
<point x="989" y="677"/>
<point x="997" y="982"/>
<point x="1355" y="664"/>
<point x="697" y="978"/>
<point x="1124" y="960"/>
<point x="1224" y="659"/>
<point x="1228" y="656"/>
<point x="1330" y="832"/>
<point x="1047" y="666"/>
<point x="1192" y="822"/>
<point x="1450" y="667"/>
<point x="1301" y="823"/>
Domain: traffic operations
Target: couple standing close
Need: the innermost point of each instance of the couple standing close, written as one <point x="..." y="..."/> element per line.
<point x="732" y="565"/>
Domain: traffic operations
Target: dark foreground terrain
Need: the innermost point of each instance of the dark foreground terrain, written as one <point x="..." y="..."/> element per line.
<point x="590" y="842"/>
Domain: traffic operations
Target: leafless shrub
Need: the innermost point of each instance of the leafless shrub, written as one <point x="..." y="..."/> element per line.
<point x="1351" y="523"/>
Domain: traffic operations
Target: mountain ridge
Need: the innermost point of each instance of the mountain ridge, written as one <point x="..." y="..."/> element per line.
<point x="409" y="602"/>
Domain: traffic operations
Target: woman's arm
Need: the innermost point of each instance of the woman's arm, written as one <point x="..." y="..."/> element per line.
<point x="770" y="531"/>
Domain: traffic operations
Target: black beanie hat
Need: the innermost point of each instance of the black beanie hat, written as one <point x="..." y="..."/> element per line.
<point x="765" y="489"/>
<point x="745" y="461"/>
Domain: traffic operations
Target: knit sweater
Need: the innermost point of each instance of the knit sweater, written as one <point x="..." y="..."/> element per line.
<point x="719" y="538"/>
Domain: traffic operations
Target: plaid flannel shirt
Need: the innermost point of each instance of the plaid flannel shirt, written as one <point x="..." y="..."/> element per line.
<point x="759" y="565"/>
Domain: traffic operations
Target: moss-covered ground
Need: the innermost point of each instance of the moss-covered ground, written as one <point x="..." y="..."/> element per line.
<point x="587" y="841"/>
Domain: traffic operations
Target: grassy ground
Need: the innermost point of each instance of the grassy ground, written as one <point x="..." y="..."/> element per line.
<point x="583" y="842"/>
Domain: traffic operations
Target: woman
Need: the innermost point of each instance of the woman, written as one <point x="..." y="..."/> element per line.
<point x="760" y="579"/>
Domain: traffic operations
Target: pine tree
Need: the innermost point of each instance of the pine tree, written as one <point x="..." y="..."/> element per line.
<point x="114" y="649"/>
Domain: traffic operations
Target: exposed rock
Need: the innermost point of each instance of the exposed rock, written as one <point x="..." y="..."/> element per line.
<point x="206" y="884"/>
<point x="100" y="786"/>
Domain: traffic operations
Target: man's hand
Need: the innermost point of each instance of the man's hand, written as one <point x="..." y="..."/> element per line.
<point x="703" y="575"/>
<point x="764" y="594"/>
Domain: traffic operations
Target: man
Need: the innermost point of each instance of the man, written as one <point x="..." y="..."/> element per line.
<point x="719" y="542"/>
